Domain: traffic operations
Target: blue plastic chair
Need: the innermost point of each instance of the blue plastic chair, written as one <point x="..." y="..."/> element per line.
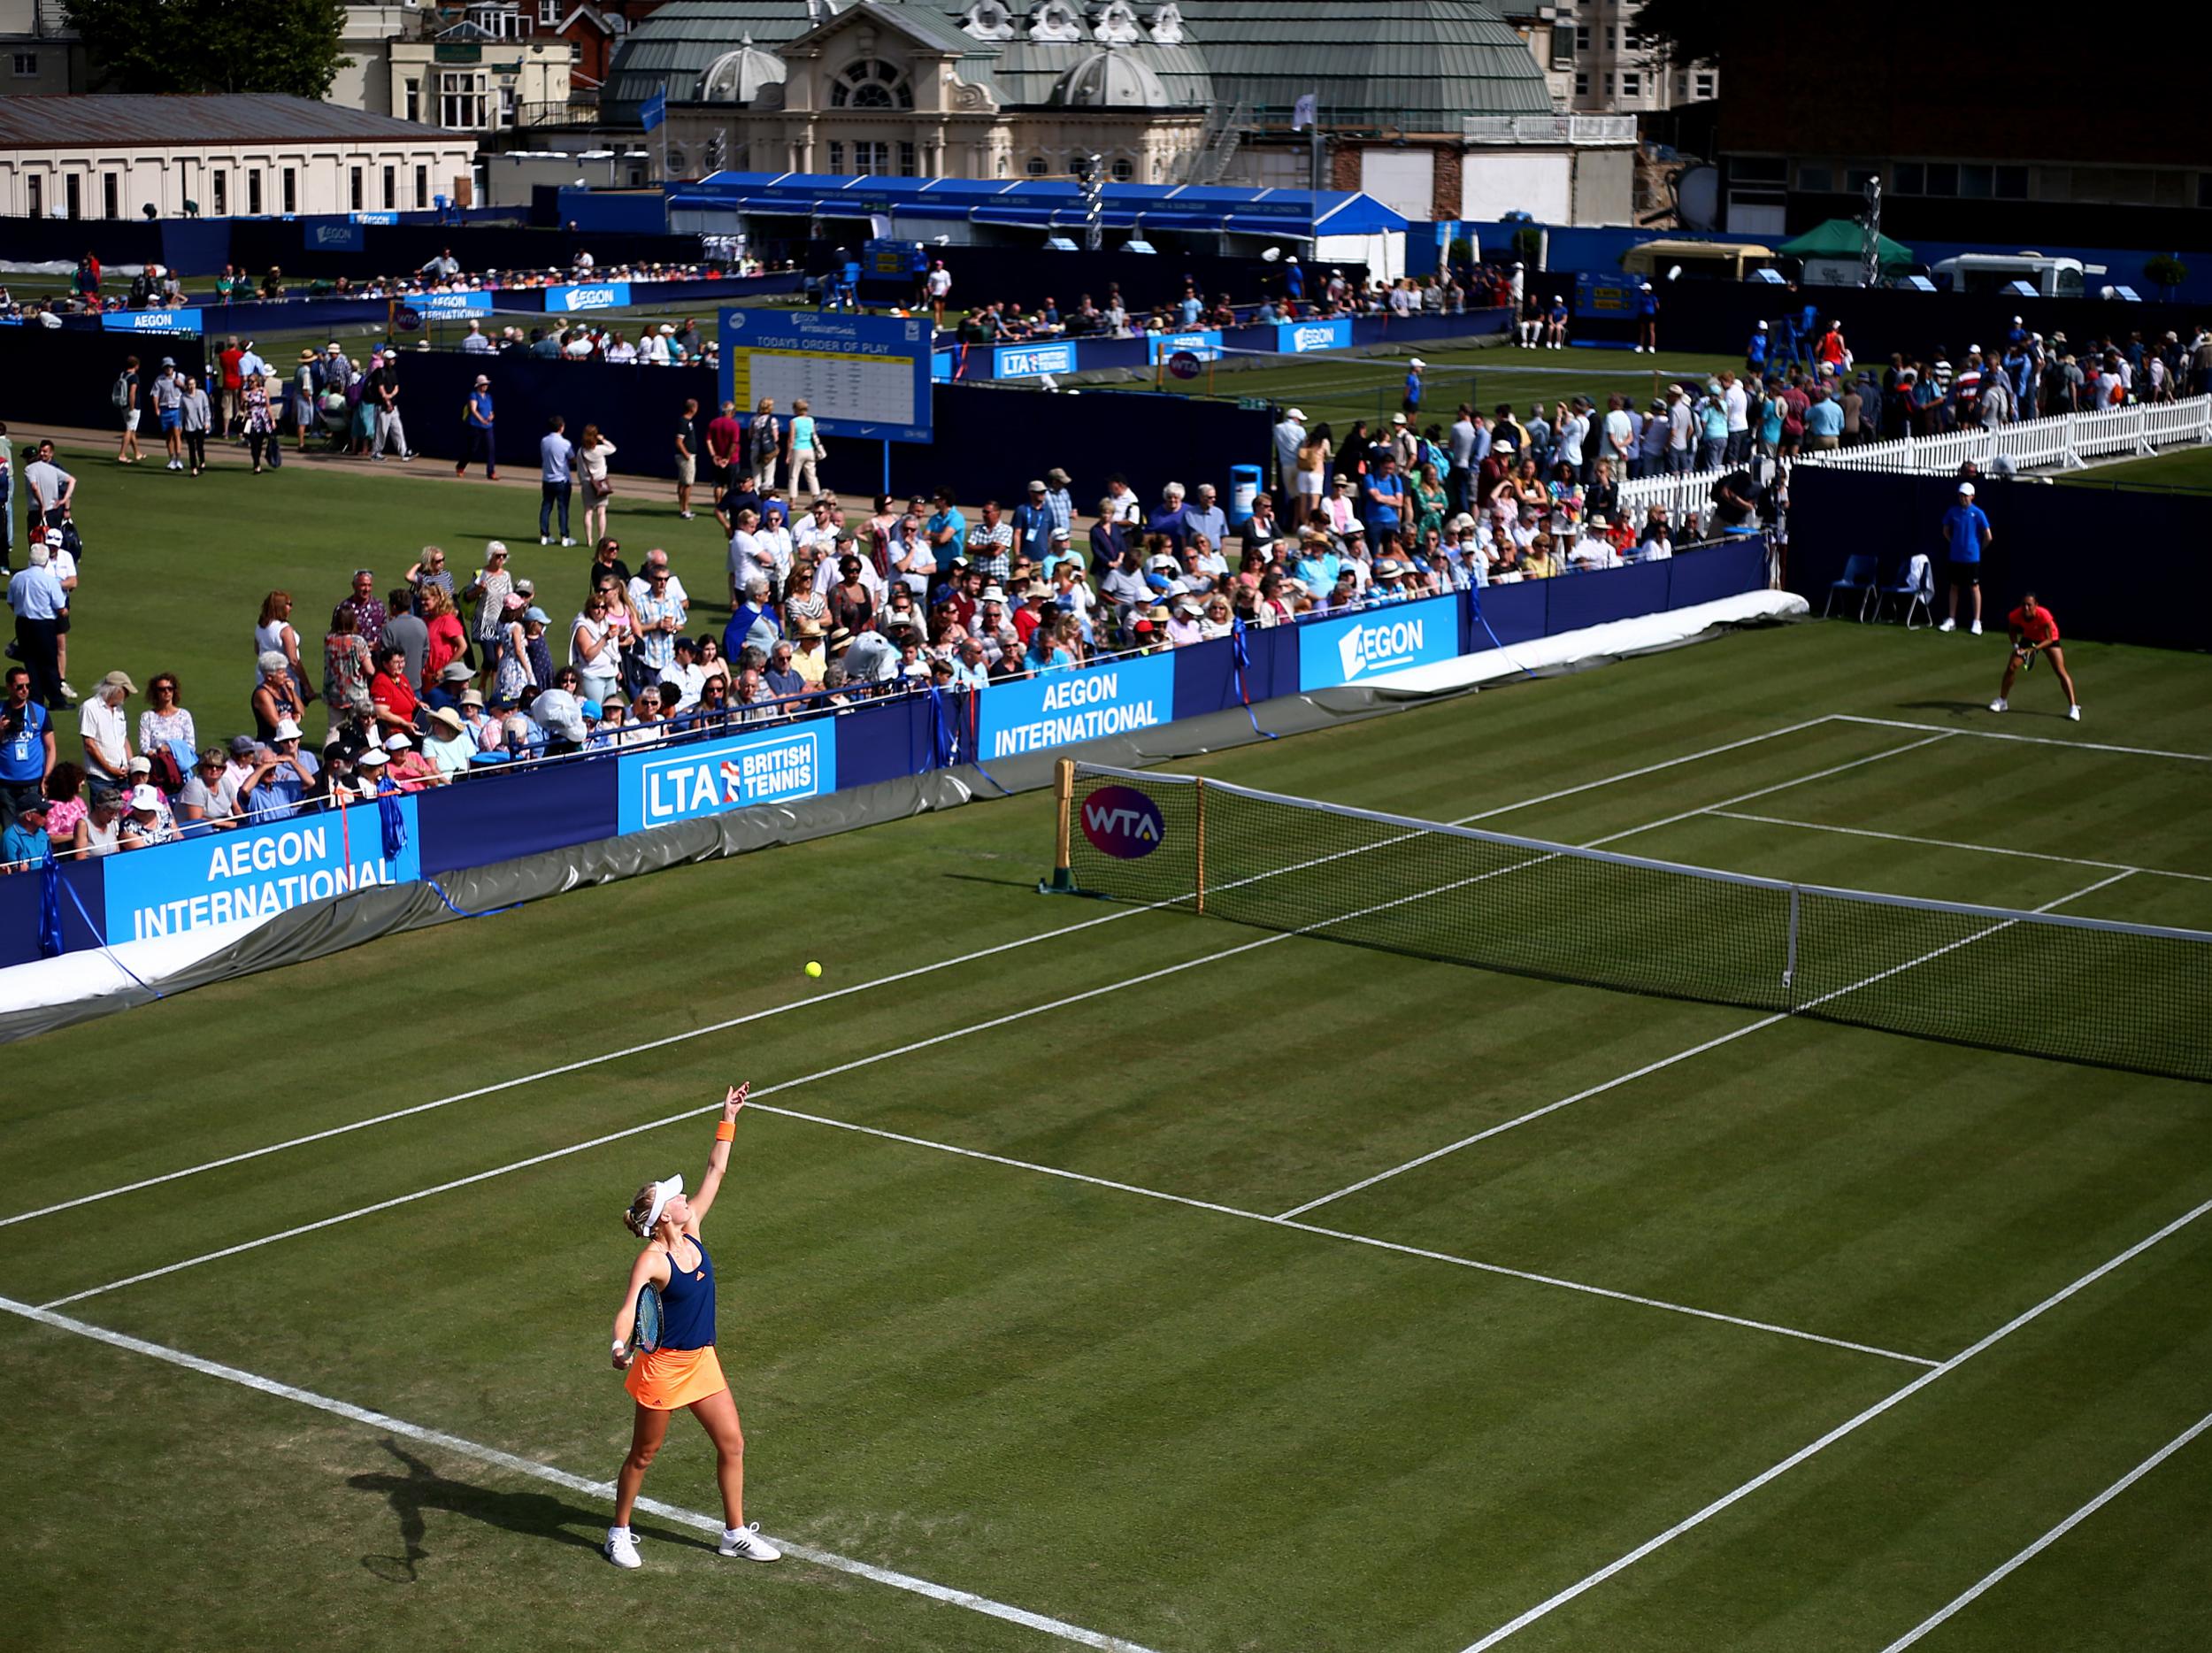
<point x="1915" y="585"/>
<point x="1858" y="576"/>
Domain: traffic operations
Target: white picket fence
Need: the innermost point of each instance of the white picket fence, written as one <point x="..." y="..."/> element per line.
<point x="2062" y="442"/>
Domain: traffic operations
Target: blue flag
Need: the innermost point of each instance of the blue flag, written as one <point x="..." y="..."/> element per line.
<point x="49" y="941"/>
<point x="654" y="109"/>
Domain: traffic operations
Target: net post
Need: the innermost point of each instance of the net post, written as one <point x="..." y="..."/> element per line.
<point x="1198" y="790"/>
<point x="1063" y="881"/>
<point x="1789" y="965"/>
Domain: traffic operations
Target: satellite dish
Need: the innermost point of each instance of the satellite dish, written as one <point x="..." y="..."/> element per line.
<point x="1697" y="197"/>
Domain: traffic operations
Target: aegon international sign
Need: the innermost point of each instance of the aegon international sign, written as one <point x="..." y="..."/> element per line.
<point x="715" y="777"/>
<point x="1296" y="338"/>
<point x="450" y="303"/>
<point x="1064" y="706"/>
<point x="255" y="872"/>
<point x="152" y="321"/>
<point x="596" y="296"/>
<point x="1366" y="645"/>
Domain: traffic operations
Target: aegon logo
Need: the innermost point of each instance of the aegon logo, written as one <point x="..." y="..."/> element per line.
<point x="589" y="297"/>
<point x="1122" y="822"/>
<point x="1373" y="647"/>
<point x="154" y="320"/>
<point x="1314" y="338"/>
<point x="334" y="235"/>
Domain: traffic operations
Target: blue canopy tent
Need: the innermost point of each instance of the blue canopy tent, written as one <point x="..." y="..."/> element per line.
<point x="926" y="208"/>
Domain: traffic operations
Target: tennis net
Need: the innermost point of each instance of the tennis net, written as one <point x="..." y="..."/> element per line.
<point x="2108" y="994"/>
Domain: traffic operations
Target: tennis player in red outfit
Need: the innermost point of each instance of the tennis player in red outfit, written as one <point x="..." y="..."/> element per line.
<point x="2035" y="632"/>
<point x="679" y="1369"/>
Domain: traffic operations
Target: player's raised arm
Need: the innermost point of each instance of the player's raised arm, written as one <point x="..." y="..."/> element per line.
<point x="718" y="1157"/>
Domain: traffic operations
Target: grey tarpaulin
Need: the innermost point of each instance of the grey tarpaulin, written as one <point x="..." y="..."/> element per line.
<point x="313" y="930"/>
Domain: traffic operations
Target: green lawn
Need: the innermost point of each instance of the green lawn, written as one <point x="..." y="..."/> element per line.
<point x="176" y="566"/>
<point x="1008" y="1302"/>
<point x="1340" y="388"/>
<point x="2184" y="467"/>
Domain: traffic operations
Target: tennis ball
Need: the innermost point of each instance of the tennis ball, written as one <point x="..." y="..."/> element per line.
<point x="813" y="967"/>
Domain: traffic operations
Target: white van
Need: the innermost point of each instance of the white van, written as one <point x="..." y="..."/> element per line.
<point x="1994" y="271"/>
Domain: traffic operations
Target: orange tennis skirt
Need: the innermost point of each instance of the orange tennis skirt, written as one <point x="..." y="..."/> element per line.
<point x="667" y="1379"/>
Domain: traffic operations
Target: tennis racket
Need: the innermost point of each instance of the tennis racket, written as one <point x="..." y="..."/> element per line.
<point x="645" y="1336"/>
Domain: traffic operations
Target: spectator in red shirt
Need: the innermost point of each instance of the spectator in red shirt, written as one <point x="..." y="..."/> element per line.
<point x="233" y="382"/>
<point x="390" y="692"/>
<point x="723" y="432"/>
<point x="446" y="640"/>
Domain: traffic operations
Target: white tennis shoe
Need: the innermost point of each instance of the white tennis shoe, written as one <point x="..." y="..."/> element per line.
<point x="1949" y="625"/>
<point x="2073" y="714"/>
<point x="1976" y="628"/>
<point x="2000" y="704"/>
<point x="747" y="1543"/>
<point x="621" y="1547"/>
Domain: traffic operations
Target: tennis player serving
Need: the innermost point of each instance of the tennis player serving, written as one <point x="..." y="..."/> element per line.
<point x="2034" y="631"/>
<point x="664" y="1338"/>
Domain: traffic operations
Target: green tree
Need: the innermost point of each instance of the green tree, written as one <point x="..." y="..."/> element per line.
<point x="288" y="46"/>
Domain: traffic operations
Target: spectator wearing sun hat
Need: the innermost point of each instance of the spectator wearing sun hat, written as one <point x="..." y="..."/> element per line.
<point x="477" y="417"/>
<point x="144" y="826"/>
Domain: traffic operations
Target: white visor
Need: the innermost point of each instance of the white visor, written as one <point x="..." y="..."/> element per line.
<point x="663" y="1192"/>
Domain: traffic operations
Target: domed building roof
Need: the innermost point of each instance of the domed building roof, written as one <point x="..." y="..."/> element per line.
<point x="1418" y="66"/>
<point x="1415" y="65"/>
<point x="738" y="77"/>
<point x="1109" y="79"/>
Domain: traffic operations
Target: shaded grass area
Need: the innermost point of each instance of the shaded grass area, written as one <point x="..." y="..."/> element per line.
<point x="1191" y="1426"/>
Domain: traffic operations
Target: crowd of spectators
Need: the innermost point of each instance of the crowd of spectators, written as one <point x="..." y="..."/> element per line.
<point x="1002" y="321"/>
<point x="155" y="285"/>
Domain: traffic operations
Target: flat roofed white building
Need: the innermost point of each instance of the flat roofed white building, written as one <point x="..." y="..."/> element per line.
<point x="228" y="155"/>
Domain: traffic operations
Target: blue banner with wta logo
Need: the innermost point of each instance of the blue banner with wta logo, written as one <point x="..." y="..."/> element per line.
<point x="561" y="301"/>
<point x="1064" y="706"/>
<point x="1332" y="653"/>
<point x="774" y="766"/>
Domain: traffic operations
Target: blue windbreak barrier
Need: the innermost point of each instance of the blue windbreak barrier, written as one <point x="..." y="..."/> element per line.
<point x="500" y="816"/>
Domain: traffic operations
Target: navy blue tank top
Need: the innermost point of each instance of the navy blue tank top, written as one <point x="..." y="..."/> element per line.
<point x="688" y="1303"/>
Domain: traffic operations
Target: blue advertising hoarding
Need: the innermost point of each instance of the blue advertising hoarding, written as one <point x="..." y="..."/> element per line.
<point x="1332" y="653"/>
<point x="1064" y="706"/>
<point x="772" y="766"/>
<point x="562" y="301"/>
<point x="1296" y="338"/>
<point x="1205" y="345"/>
<point x="255" y="872"/>
<point x="152" y="321"/>
<point x="1031" y="361"/>
<point x="863" y="376"/>
<point x="384" y="219"/>
<point x="448" y="303"/>
<point x="322" y="236"/>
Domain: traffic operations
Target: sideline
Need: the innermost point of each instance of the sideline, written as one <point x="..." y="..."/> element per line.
<point x="1553" y="1602"/>
<point x="599" y="1490"/>
<point x="2055" y="1534"/>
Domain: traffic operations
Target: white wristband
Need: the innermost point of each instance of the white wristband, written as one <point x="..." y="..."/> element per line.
<point x="618" y="1347"/>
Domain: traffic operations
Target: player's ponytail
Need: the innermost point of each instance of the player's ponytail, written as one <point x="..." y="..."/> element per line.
<point x="637" y="1219"/>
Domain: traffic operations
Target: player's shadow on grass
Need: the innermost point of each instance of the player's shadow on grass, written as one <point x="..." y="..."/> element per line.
<point x="1944" y="705"/>
<point x="421" y="1489"/>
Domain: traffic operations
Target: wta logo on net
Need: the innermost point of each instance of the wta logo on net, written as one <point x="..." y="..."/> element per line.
<point x="1123" y="822"/>
<point x="1380" y="646"/>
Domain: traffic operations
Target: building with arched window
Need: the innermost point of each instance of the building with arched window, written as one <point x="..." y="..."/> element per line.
<point x="1434" y="107"/>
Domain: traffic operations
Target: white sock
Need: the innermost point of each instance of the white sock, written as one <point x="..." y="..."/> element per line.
<point x="618" y="1532"/>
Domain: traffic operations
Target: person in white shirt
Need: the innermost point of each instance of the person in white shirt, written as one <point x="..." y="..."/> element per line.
<point x="1681" y="428"/>
<point x="619" y="351"/>
<point x="106" y="731"/>
<point x="746" y="563"/>
<point x="474" y="342"/>
<point x="818" y="530"/>
<point x="1738" y="406"/>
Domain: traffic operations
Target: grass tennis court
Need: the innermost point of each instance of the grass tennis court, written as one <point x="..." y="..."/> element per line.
<point x="1342" y="388"/>
<point x="1011" y="1302"/>
<point x="2184" y="467"/>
